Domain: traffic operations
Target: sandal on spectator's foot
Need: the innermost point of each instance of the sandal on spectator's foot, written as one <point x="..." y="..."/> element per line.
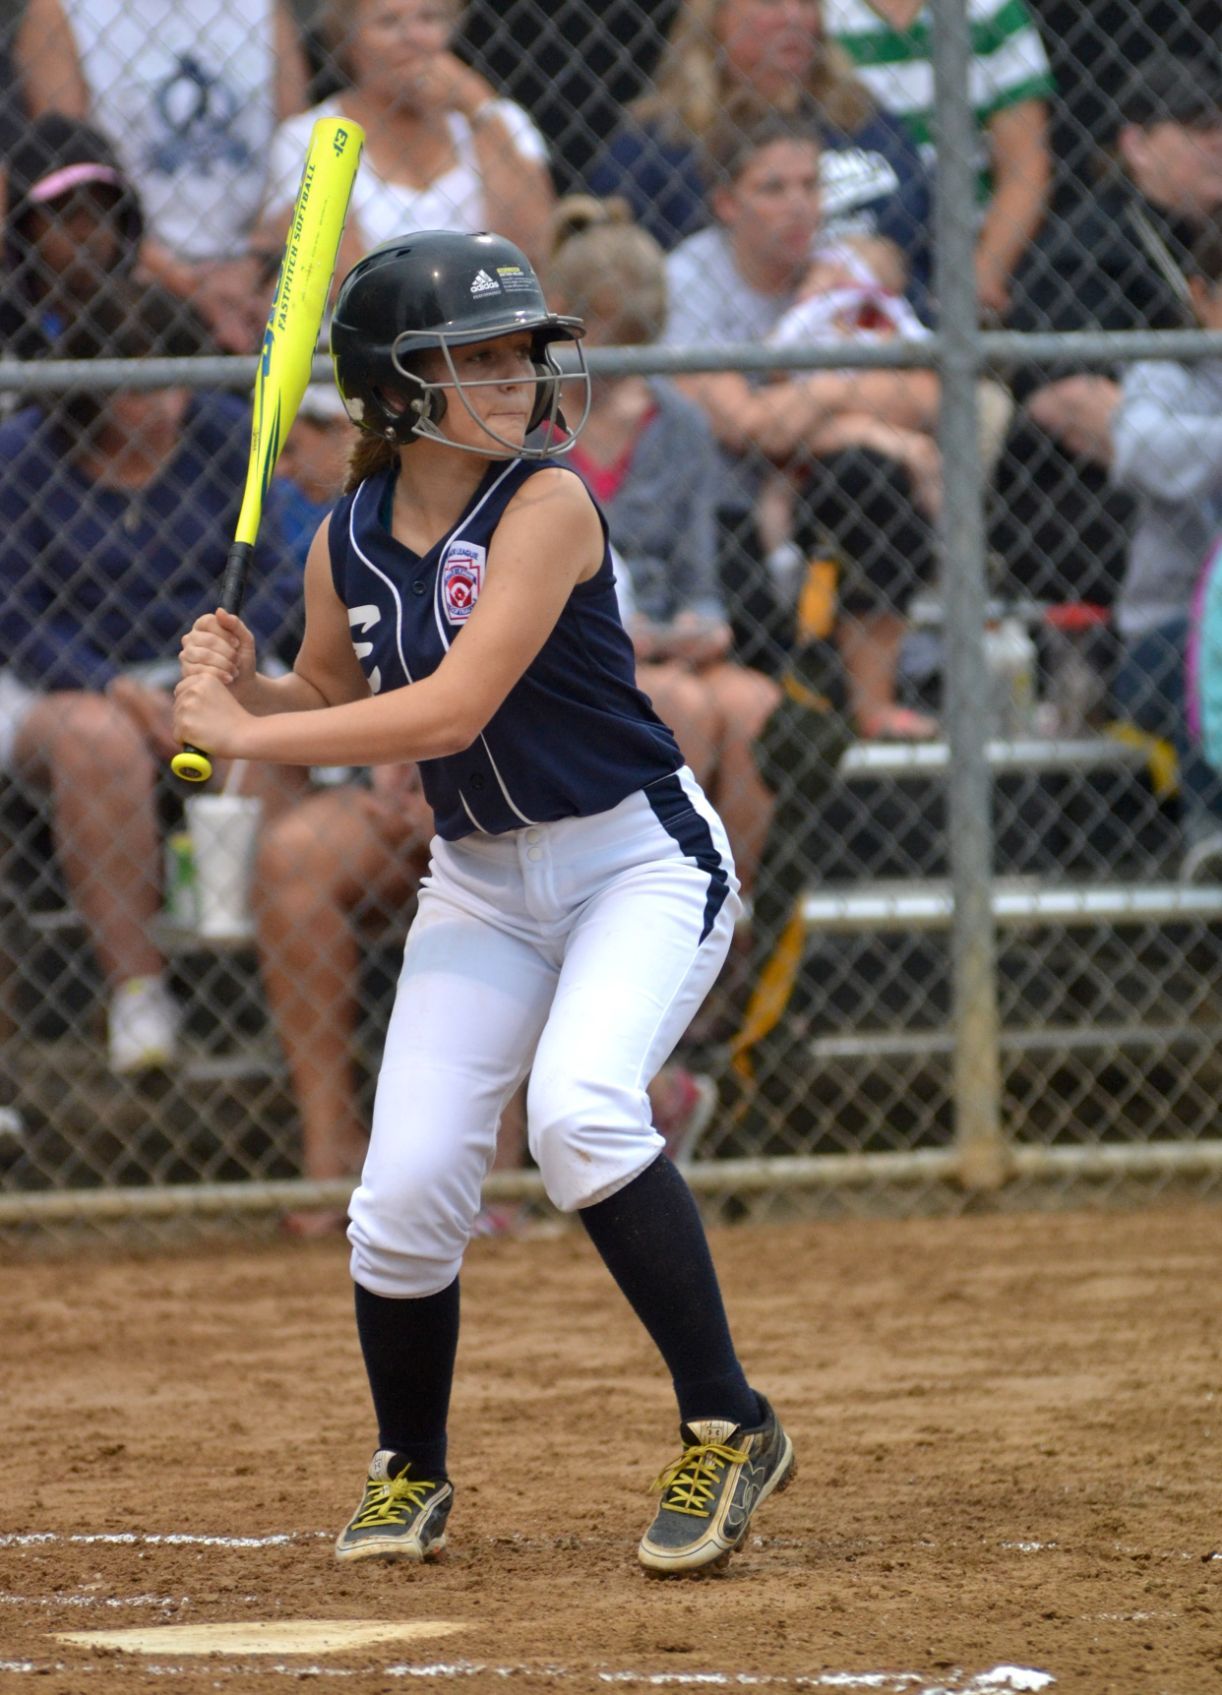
<point x="897" y="724"/>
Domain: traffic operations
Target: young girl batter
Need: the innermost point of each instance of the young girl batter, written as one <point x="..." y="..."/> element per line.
<point x="460" y="611"/>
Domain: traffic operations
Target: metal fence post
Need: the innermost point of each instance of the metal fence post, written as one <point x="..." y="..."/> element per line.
<point x="977" y="1071"/>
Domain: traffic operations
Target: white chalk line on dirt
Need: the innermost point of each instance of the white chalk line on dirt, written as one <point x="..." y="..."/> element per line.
<point x="168" y="1539"/>
<point x="290" y="1538"/>
<point x="1000" y="1680"/>
<point x="79" y="1600"/>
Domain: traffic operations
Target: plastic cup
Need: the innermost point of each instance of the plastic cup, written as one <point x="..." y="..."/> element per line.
<point x="224" y="834"/>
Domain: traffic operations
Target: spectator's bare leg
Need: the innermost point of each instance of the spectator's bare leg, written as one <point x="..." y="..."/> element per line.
<point x="315" y="864"/>
<point x="870" y="645"/>
<point x="100" y="774"/>
<point x="688" y="705"/>
<point x="745" y="698"/>
<point x="277" y="786"/>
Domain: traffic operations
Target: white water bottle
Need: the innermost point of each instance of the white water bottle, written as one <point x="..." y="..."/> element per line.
<point x="1010" y="662"/>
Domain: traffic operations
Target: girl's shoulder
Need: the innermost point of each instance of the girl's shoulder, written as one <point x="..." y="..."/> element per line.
<point x="533" y="482"/>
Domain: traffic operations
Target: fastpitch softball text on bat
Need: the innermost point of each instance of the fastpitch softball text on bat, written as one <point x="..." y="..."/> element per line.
<point x="286" y="359"/>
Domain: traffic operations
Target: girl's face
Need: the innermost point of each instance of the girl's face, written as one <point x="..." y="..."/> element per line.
<point x="772" y="209"/>
<point x="769" y="44"/>
<point x="498" y="378"/>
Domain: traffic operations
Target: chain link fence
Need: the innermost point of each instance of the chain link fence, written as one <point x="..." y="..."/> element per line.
<point x="909" y="427"/>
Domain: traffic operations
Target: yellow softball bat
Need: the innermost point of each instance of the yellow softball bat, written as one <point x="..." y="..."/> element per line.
<point x="289" y="342"/>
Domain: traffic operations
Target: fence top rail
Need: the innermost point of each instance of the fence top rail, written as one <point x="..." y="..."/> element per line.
<point x="1029" y="753"/>
<point x="995" y="348"/>
<point x="1016" y="904"/>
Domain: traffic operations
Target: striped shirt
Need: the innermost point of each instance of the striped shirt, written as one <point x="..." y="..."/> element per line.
<point x="1008" y="63"/>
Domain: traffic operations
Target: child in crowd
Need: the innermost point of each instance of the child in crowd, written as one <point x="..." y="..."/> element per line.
<point x="1166" y="438"/>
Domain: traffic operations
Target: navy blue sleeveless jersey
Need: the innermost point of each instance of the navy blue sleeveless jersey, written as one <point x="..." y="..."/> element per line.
<point x="574" y="736"/>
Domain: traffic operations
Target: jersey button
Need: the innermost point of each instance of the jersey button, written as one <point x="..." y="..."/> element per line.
<point x="534" y="835"/>
<point x="418" y="586"/>
<point x="477" y="780"/>
<point x="534" y="853"/>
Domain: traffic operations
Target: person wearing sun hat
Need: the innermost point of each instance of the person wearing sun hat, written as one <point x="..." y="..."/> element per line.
<point x="74" y="220"/>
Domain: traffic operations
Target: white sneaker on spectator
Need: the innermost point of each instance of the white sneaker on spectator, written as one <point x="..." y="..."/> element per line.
<point x="1202" y="863"/>
<point x="683" y="1107"/>
<point x="143" y="1026"/>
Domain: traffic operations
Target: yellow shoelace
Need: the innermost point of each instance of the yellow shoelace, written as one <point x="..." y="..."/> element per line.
<point x="689" y="1482"/>
<point x="390" y="1503"/>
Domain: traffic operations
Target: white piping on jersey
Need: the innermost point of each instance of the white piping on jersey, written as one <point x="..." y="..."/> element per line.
<point x="363" y="556"/>
<point x="462" y="797"/>
<point x="445" y="642"/>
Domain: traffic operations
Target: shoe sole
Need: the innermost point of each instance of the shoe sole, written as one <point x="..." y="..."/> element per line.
<point x="780" y="1480"/>
<point x="381" y="1551"/>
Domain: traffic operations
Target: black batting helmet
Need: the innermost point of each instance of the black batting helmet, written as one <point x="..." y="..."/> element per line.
<point x="442" y="289"/>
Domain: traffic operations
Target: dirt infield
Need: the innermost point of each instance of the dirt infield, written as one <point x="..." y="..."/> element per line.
<point x="1008" y="1432"/>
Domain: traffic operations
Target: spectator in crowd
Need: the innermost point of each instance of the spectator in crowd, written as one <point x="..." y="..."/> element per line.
<point x="758" y="52"/>
<point x="1166" y="435"/>
<point x="649" y="457"/>
<point x="190" y="98"/>
<point x="1117" y="262"/>
<point x="74" y="220"/>
<point x="38" y="70"/>
<point x="343" y="857"/>
<point x="890" y="43"/>
<point x="117" y="511"/>
<point x="858" y="444"/>
<point x="442" y="151"/>
<point x="1091" y="51"/>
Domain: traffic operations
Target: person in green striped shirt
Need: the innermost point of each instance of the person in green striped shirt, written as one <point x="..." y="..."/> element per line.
<point x="891" y="44"/>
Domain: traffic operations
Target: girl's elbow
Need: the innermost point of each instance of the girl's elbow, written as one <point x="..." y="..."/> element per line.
<point x="458" y="730"/>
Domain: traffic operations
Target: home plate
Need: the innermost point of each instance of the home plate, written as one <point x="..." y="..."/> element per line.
<point x="278" y="1636"/>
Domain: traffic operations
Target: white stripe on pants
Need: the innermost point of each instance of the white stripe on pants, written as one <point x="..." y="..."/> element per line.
<point x="571" y="951"/>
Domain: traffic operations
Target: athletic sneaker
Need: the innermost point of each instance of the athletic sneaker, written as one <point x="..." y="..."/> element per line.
<point x="400" y="1517"/>
<point x="143" y="1026"/>
<point x="710" y="1492"/>
<point x="684" y="1104"/>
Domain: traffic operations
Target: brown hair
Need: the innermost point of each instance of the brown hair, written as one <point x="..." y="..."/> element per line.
<point x="692" y="84"/>
<point x="604" y="267"/>
<point x="744" y="129"/>
<point x="370" y="456"/>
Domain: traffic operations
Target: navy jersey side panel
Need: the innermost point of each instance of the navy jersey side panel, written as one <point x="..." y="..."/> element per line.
<point x="574" y="736"/>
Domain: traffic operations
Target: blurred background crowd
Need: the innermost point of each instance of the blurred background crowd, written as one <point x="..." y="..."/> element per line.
<point x="690" y="173"/>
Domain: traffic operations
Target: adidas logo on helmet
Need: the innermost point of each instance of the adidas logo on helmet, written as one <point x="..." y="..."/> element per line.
<point x="484" y="284"/>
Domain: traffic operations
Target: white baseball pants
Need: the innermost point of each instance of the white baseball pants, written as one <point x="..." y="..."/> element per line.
<point x="578" y="952"/>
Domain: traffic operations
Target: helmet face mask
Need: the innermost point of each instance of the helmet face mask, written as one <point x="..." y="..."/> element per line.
<point x="436" y="291"/>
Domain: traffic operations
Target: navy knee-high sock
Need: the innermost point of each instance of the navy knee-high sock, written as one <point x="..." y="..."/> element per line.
<point x="409" y="1348"/>
<point x="652" y="1241"/>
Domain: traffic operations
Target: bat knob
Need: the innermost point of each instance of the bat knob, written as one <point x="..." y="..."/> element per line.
<point x="191" y="765"/>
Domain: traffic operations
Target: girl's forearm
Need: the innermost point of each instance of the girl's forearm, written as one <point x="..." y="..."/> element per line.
<point x="290" y="693"/>
<point x="410" y="723"/>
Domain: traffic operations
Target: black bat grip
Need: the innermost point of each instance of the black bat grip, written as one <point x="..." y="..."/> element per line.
<point x="193" y="764"/>
<point x="237" y="570"/>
